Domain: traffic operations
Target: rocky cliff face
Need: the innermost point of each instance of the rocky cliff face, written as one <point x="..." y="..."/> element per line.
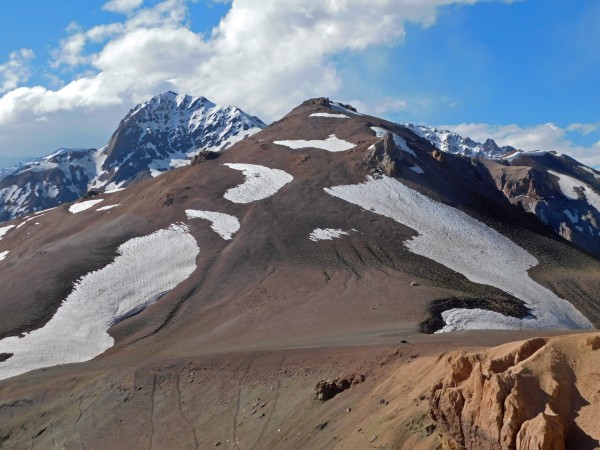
<point x="528" y="395"/>
<point x="560" y="191"/>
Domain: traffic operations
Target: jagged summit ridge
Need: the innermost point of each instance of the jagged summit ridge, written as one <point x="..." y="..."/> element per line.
<point x="169" y="129"/>
<point x="454" y="143"/>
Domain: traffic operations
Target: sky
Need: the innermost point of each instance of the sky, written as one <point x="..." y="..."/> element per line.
<point x="523" y="72"/>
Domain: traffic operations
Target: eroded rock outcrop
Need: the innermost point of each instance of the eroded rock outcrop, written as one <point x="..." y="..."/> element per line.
<point x="528" y="395"/>
<point x="327" y="389"/>
<point x="386" y="157"/>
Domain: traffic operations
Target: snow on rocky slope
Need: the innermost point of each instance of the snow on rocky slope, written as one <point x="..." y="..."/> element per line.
<point x="60" y="177"/>
<point x="563" y="193"/>
<point x="145" y="269"/>
<point x="158" y="135"/>
<point x="461" y="243"/>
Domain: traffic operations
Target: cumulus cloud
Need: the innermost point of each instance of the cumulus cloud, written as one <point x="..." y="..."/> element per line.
<point x="264" y="56"/>
<point x="584" y="128"/>
<point x="122" y="6"/>
<point x="16" y="70"/>
<point x="546" y="136"/>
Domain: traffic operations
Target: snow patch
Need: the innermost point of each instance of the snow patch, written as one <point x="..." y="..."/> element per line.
<point x="113" y="188"/>
<point x="593" y="172"/>
<point x="331" y="144"/>
<point x="333" y="116"/>
<point x="155" y="173"/>
<point x="145" y="269"/>
<point x="5" y="230"/>
<point x="25" y="221"/>
<point x="568" y="186"/>
<point x="469" y="247"/>
<point x="79" y="207"/>
<point x="326" y="234"/>
<point x="224" y="225"/>
<point x="260" y="182"/>
<point x="3" y="255"/>
<point x="107" y="207"/>
<point x="573" y="217"/>
<point x="417" y="169"/>
<point x="176" y="163"/>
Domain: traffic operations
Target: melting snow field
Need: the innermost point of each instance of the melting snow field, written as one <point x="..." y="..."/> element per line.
<point x="400" y="143"/>
<point x="568" y="184"/>
<point x="79" y="207"/>
<point x="145" y="269"/>
<point x="326" y="234"/>
<point x="331" y="144"/>
<point x="333" y="116"/>
<point x="3" y="255"/>
<point x="5" y="230"/>
<point x="108" y="207"/>
<point x="260" y="182"/>
<point x="224" y="225"/>
<point x="469" y="247"/>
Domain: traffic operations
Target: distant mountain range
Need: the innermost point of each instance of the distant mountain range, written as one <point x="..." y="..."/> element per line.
<point x="451" y="142"/>
<point x="155" y="136"/>
<point x="170" y="129"/>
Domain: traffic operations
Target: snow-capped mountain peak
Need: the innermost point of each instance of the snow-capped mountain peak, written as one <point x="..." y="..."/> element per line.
<point x="168" y="130"/>
<point x="452" y="142"/>
<point x="157" y="135"/>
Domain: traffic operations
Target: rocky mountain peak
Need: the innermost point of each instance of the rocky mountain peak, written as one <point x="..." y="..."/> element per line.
<point x="165" y="132"/>
<point x="452" y="142"/>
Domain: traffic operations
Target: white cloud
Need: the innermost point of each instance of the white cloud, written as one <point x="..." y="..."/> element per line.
<point x="584" y="128"/>
<point x="122" y="6"/>
<point x="546" y="136"/>
<point x="265" y="56"/>
<point x="16" y="70"/>
<point x="390" y="106"/>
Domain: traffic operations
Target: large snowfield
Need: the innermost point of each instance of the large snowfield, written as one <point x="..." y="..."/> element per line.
<point x="145" y="269"/>
<point x="260" y="182"/>
<point x="458" y="241"/>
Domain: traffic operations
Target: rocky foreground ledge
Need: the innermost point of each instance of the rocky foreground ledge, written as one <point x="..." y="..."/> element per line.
<point x="536" y="394"/>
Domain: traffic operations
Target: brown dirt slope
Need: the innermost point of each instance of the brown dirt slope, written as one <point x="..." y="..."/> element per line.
<point x="233" y="354"/>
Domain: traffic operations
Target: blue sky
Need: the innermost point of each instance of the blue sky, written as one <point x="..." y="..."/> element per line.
<point x="522" y="72"/>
